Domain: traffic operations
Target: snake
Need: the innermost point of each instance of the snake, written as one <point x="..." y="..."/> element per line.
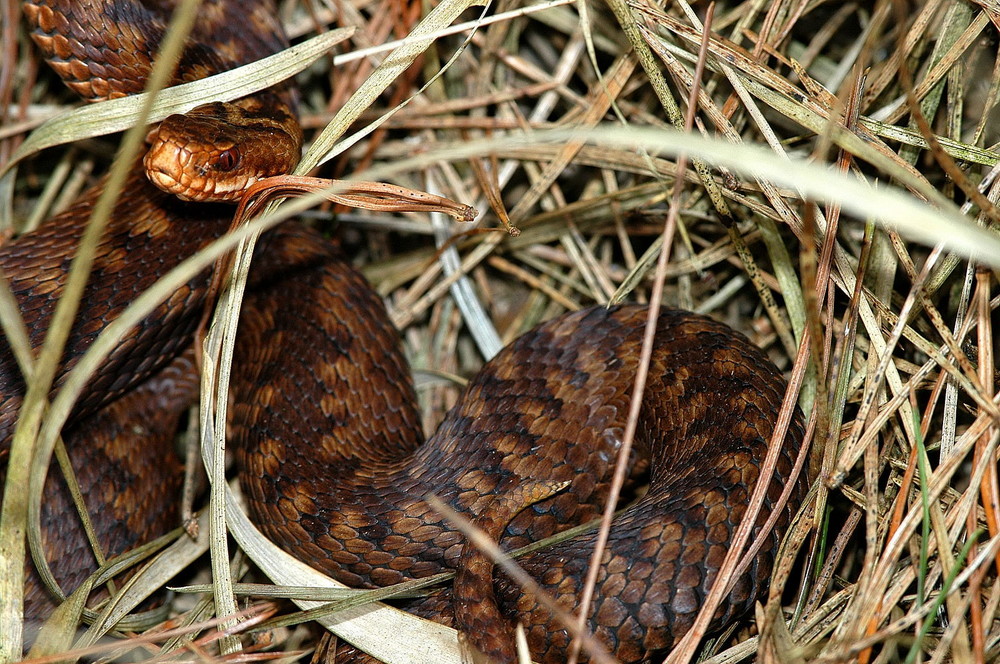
<point x="325" y="422"/>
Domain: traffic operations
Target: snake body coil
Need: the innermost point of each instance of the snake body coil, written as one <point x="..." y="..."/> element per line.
<point x="325" y="419"/>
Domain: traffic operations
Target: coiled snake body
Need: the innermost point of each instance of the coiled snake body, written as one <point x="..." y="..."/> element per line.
<point x="325" y="418"/>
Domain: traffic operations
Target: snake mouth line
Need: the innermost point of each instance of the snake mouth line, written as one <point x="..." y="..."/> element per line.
<point x="326" y="424"/>
<point x="201" y="191"/>
<point x="169" y="184"/>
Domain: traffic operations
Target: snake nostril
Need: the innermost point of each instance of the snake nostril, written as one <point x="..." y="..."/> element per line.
<point x="228" y="159"/>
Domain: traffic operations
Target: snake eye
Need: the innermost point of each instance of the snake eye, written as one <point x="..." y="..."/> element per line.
<point x="228" y="159"/>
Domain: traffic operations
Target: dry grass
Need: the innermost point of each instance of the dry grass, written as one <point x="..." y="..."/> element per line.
<point x="852" y="273"/>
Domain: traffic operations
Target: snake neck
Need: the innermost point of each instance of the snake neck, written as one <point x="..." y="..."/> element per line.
<point x="116" y="59"/>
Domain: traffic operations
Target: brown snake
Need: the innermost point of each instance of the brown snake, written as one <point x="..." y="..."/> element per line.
<point x="325" y="420"/>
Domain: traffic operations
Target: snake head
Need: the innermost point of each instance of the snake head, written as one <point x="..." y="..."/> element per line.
<point x="215" y="151"/>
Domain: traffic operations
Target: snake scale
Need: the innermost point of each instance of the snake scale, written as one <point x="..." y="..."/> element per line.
<point x="325" y="421"/>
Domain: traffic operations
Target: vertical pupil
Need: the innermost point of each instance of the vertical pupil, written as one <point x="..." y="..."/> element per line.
<point x="227" y="159"/>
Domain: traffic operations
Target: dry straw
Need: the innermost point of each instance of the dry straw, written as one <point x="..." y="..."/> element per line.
<point x="838" y="211"/>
